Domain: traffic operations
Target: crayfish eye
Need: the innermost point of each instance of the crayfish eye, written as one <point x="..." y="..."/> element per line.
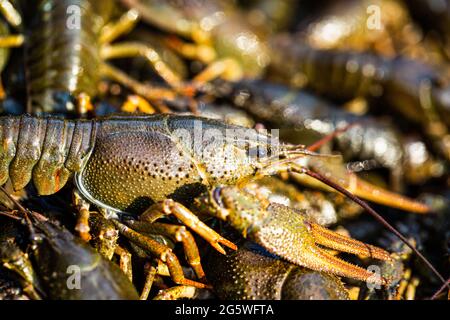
<point x="217" y="196"/>
<point x="259" y="152"/>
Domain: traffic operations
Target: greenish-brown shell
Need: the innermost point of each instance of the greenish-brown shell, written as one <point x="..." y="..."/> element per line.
<point x="45" y="150"/>
<point x="60" y="254"/>
<point x="253" y="273"/>
<point x="63" y="58"/>
<point x="142" y="160"/>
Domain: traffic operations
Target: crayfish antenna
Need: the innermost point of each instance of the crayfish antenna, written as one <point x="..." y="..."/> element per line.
<point x="380" y="219"/>
<point x="371" y="192"/>
<point x="316" y="145"/>
<point x="25" y="212"/>
<point x="437" y="293"/>
<point x="292" y="153"/>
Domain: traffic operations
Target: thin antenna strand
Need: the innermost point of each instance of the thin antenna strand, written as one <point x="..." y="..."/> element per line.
<point x="446" y="284"/>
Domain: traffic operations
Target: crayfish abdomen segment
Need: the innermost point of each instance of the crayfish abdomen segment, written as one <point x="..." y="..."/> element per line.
<point x="46" y="150"/>
<point x="8" y="139"/>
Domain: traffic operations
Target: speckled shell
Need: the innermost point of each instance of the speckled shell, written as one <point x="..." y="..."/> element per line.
<point x="284" y="232"/>
<point x="253" y="273"/>
<point x="147" y="159"/>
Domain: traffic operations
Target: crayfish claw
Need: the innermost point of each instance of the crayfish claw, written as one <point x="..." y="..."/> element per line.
<point x="379" y="195"/>
<point x="319" y="259"/>
<point x="334" y="240"/>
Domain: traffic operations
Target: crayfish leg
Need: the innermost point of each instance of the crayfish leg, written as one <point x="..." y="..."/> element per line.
<point x="2" y="90"/>
<point x="125" y="262"/>
<point x="121" y="26"/>
<point x="177" y="234"/>
<point x="136" y="49"/>
<point x="153" y="93"/>
<point x="84" y="104"/>
<point x="136" y="103"/>
<point x="160" y="251"/>
<point x="168" y="207"/>
<point x="10" y="13"/>
<point x="193" y="51"/>
<point x="177" y="292"/>
<point x="225" y="68"/>
<point x="150" y="274"/>
<point x="82" y="226"/>
<point x="11" y="41"/>
<point x="104" y="234"/>
<point x="368" y="191"/>
<point x="352" y="183"/>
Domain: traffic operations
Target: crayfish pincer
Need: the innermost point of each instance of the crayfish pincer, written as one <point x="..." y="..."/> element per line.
<point x="288" y="234"/>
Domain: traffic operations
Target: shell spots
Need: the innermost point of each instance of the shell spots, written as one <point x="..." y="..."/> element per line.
<point x="126" y="167"/>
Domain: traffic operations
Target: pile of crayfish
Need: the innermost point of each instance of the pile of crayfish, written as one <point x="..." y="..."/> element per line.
<point x="208" y="149"/>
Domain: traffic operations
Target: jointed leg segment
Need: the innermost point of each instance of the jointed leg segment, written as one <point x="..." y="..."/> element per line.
<point x="168" y="207"/>
<point x="177" y="234"/>
<point x="160" y="251"/>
